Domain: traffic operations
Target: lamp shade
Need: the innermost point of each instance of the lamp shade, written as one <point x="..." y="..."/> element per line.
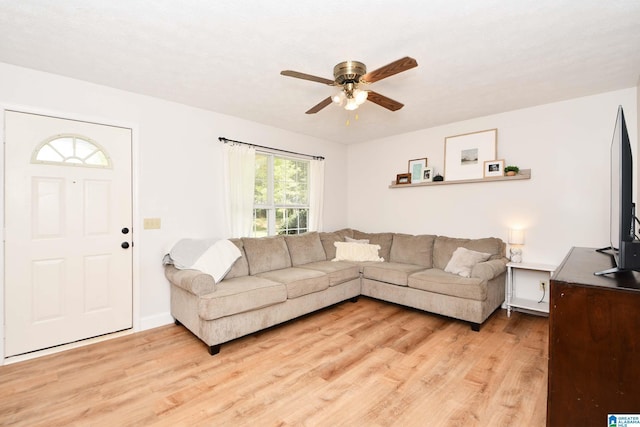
<point x="516" y="236"/>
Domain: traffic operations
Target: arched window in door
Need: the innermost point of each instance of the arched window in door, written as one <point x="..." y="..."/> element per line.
<point x="71" y="150"/>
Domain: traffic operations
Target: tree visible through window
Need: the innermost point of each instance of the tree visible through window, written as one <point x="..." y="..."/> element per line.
<point x="281" y="197"/>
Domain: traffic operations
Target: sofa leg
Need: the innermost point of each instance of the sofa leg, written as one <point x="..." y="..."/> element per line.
<point x="354" y="299"/>
<point x="475" y="327"/>
<point x="214" y="349"/>
<point x="177" y="322"/>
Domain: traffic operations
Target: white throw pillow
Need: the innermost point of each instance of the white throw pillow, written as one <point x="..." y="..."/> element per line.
<point x="463" y="261"/>
<point x="350" y="251"/>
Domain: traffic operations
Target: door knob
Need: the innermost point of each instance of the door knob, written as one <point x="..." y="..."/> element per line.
<point x="125" y="230"/>
<point x="125" y="245"/>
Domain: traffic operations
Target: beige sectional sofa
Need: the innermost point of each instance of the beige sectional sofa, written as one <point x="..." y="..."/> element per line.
<point x="284" y="277"/>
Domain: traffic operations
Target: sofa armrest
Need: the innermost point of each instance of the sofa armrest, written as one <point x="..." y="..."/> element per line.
<point x="490" y="269"/>
<point x="194" y="281"/>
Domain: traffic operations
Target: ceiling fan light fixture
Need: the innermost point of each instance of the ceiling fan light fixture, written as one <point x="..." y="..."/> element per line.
<point x="338" y="98"/>
<point x="360" y="96"/>
<point x="351" y="104"/>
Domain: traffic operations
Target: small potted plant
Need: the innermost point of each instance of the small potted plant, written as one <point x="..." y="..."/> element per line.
<point x="511" y="170"/>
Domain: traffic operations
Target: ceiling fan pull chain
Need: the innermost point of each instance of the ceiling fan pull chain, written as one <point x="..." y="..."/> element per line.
<point x="348" y="122"/>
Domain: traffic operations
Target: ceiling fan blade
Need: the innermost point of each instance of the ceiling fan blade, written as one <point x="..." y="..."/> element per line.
<point x="319" y="106"/>
<point x="304" y="76"/>
<point x="402" y="64"/>
<point x="383" y="101"/>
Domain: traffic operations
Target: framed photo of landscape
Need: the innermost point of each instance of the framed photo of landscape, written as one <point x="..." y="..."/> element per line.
<point x="464" y="155"/>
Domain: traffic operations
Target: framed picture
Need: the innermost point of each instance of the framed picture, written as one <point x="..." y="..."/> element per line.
<point x="464" y="155"/>
<point x="427" y="174"/>
<point x="403" y="178"/>
<point x="416" y="167"/>
<point x="493" y="168"/>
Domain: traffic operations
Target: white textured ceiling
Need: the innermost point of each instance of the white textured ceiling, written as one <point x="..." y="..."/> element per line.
<point x="476" y="57"/>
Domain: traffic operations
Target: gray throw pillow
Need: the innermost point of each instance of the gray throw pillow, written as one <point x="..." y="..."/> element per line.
<point x="463" y="261"/>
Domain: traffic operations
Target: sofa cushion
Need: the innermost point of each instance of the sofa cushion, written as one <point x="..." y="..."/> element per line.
<point x="266" y="254"/>
<point x="328" y="239"/>
<point x="443" y="248"/>
<point x="299" y="281"/>
<point x="240" y="267"/>
<point x="305" y="248"/>
<point x="390" y="272"/>
<point x="409" y="249"/>
<point x="382" y="239"/>
<point x="357" y="252"/>
<point x="440" y="282"/>
<point x="463" y="261"/>
<point x="337" y="271"/>
<point x="238" y="295"/>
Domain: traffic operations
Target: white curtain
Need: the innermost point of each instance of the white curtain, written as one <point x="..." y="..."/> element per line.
<point x="239" y="176"/>
<point x="316" y="194"/>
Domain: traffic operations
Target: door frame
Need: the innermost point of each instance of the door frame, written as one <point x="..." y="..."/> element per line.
<point x="137" y="226"/>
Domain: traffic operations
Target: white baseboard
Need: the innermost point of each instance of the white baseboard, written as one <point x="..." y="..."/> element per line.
<point x="155" y="321"/>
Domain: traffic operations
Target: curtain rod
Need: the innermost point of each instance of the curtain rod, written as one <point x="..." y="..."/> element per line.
<point x="225" y="140"/>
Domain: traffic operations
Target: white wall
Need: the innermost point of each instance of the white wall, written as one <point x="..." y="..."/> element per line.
<point x="564" y="204"/>
<point x="178" y="165"/>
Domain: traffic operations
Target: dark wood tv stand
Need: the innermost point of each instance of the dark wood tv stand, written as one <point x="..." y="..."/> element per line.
<point x="594" y="341"/>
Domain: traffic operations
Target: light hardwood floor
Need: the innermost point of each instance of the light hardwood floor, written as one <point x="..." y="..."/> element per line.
<point x="368" y="363"/>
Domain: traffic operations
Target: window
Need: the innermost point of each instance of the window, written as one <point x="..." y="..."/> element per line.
<point x="281" y="197"/>
<point x="71" y="150"/>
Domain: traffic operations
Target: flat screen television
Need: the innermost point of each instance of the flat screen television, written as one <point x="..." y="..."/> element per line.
<point x="625" y="247"/>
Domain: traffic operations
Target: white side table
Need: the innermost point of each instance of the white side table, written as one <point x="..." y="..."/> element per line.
<point x="536" y="274"/>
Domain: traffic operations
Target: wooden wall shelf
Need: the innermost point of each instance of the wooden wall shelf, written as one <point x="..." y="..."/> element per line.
<point x="523" y="174"/>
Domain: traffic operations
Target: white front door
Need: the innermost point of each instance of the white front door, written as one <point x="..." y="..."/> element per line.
<point x="68" y="216"/>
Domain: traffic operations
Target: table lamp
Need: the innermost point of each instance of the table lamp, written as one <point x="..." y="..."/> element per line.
<point x="516" y="239"/>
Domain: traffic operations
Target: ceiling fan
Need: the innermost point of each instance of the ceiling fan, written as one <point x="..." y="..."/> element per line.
<point x="350" y="76"/>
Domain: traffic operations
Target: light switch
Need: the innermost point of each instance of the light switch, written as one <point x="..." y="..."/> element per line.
<point x="151" y="223"/>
